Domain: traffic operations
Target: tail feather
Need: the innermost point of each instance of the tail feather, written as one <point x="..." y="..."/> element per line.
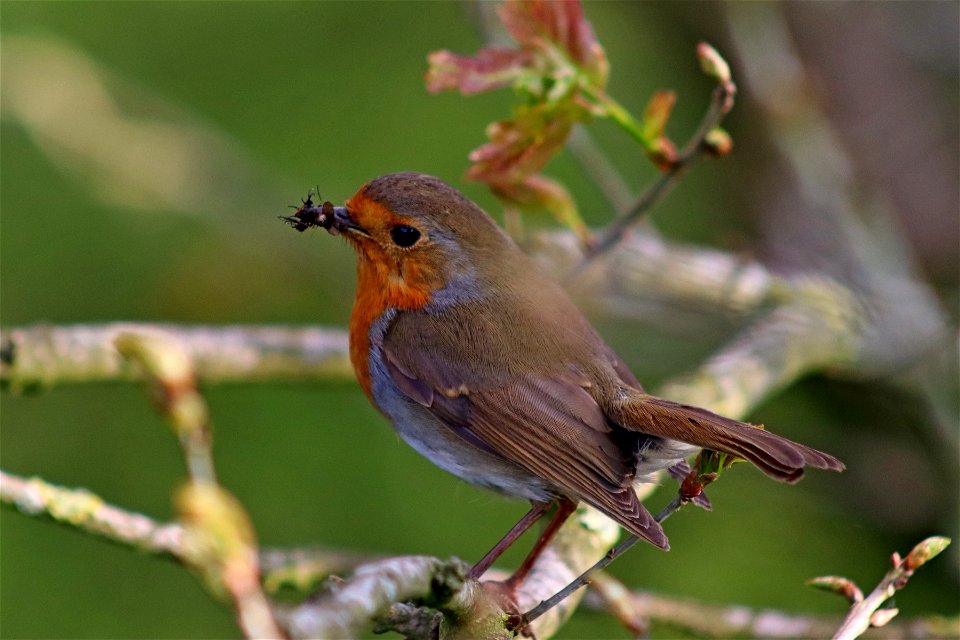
<point x="778" y="457"/>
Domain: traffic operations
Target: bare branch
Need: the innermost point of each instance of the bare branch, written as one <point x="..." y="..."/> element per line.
<point x="219" y="541"/>
<point x="819" y="330"/>
<point x="302" y="568"/>
<point x="88" y="512"/>
<point x="47" y="355"/>
<point x="721" y="101"/>
<point x="173" y="384"/>
<point x="867" y="612"/>
<point x="346" y="607"/>
<point x="737" y="621"/>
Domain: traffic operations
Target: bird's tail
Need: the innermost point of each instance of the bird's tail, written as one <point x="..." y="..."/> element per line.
<point x="775" y="455"/>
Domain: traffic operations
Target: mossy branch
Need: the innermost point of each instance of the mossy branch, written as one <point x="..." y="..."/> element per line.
<point x="47" y="355"/>
<point x="418" y="577"/>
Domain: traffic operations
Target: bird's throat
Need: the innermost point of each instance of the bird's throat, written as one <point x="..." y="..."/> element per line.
<point x="381" y="287"/>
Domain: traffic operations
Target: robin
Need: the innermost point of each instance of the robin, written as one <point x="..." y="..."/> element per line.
<point x="485" y="366"/>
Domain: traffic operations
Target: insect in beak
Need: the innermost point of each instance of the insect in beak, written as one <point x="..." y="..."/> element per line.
<point x="334" y="219"/>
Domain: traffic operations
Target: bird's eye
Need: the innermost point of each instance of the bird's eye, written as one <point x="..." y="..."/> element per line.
<point x="404" y="235"/>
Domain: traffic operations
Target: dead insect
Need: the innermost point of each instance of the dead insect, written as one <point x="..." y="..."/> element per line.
<point x="309" y="215"/>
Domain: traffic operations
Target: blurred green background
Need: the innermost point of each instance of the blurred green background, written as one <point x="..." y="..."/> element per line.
<point x="147" y="149"/>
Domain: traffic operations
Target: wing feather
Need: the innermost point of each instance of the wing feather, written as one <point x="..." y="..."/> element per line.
<point x="552" y="427"/>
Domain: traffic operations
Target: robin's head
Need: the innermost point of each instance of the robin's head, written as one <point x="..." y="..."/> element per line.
<point x="416" y="234"/>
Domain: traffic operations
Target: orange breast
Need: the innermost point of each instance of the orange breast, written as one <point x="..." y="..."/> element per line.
<point x="383" y="285"/>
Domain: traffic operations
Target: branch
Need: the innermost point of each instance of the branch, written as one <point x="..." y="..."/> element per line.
<point x="638" y="609"/>
<point x="721" y="101"/>
<point x="345" y="607"/>
<point x="44" y="355"/>
<point x="219" y="541"/>
<point x="819" y="330"/>
<point x="416" y="577"/>
<point x="88" y="512"/>
<point x="644" y="268"/>
<point x="869" y="612"/>
<point x="339" y="613"/>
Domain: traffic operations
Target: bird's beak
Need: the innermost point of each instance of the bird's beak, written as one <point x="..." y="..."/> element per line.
<point x="341" y="222"/>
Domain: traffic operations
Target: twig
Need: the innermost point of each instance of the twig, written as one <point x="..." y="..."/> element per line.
<point x="173" y="384"/>
<point x="721" y="101"/>
<point x="820" y="329"/>
<point x="867" y="612"/>
<point x="602" y="563"/>
<point x="86" y="511"/>
<point x="737" y="621"/>
<point x="610" y="595"/>
<point x="219" y="539"/>
<point x="580" y="542"/>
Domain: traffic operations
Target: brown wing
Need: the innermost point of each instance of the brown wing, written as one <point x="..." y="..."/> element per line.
<point x="552" y="427"/>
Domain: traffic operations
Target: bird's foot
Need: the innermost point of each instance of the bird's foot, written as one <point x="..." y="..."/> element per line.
<point x="505" y="593"/>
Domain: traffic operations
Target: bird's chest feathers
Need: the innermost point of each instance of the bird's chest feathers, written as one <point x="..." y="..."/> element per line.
<point x="384" y="284"/>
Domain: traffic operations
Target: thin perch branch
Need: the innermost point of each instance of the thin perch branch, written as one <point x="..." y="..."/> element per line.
<point x="599" y="565"/>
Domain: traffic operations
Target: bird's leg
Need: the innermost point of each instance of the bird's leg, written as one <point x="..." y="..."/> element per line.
<point x="536" y="512"/>
<point x="564" y="508"/>
<point x="584" y="578"/>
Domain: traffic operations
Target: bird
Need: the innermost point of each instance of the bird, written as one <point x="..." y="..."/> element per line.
<point x="484" y="365"/>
